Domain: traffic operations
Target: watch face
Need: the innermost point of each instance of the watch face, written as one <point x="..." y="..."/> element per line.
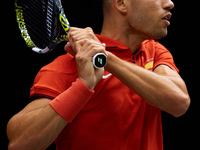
<point x="99" y="60"/>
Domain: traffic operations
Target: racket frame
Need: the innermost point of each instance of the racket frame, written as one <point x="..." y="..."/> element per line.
<point x="99" y="60"/>
<point x="56" y="38"/>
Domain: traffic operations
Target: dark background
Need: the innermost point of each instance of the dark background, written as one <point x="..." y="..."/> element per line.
<point x="19" y="65"/>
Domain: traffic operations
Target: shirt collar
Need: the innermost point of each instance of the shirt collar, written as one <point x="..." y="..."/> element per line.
<point x="111" y="43"/>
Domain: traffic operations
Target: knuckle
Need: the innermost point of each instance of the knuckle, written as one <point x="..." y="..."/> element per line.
<point x="88" y="42"/>
<point x="73" y="38"/>
<point x="70" y="35"/>
<point x="79" y="57"/>
<point x="89" y="29"/>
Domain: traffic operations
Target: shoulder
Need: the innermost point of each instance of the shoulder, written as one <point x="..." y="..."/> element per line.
<point x="54" y="78"/>
<point x="155" y="49"/>
<point x="158" y="53"/>
<point x="64" y="64"/>
<point x="153" y="45"/>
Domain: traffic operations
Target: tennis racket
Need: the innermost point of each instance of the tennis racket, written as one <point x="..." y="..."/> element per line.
<point x="43" y="25"/>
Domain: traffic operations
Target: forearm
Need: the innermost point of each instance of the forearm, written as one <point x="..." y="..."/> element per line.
<point x="35" y="129"/>
<point x="39" y="124"/>
<point x="155" y="89"/>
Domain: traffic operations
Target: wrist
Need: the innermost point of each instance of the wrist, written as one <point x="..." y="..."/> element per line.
<point x="110" y="61"/>
<point x="69" y="103"/>
<point x="88" y="84"/>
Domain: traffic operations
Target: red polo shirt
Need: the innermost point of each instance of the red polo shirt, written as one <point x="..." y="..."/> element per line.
<point x="115" y="118"/>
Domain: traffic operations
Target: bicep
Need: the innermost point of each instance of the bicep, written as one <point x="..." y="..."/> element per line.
<point x="165" y="71"/>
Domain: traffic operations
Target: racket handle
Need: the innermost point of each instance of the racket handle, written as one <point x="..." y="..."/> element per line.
<point x="99" y="60"/>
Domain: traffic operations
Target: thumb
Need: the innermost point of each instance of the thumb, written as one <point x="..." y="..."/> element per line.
<point x="69" y="49"/>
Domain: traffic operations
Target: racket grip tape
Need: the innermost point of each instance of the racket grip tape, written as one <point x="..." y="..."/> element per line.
<point x="99" y="60"/>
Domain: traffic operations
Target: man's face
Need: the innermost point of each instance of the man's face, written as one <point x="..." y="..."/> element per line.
<point x="150" y="17"/>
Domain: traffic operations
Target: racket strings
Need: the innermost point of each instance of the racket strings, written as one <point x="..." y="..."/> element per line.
<point x="38" y="16"/>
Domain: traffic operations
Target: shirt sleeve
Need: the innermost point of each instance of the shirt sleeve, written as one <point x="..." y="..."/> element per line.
<point x="54" y="78"/>
<point x="163" y="57"/>
<point x="49" y="84"/>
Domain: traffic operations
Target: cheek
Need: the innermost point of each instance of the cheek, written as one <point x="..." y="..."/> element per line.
<point x="142" y="22"/>
<point x="148" y="23"/>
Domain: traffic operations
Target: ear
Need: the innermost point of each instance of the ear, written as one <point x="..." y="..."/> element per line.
<point x="120" y="5"/>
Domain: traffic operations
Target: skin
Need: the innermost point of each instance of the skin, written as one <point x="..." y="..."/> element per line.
<point x="134" y="21"/>
<point x="129" y="22"/>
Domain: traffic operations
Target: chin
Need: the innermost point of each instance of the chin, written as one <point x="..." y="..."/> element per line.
<point x="157" y="35"/>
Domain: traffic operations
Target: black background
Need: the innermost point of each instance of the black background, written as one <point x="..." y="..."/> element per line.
<point x="19" y="65"/>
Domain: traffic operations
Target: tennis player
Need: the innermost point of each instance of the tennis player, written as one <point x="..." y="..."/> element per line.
<point x="113" y="108"/>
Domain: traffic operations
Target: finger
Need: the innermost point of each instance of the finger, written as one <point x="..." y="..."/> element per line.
<point x="77" y="38"/>
<point x="72" y="31"/>
<point x="104" y="45"/>
<point x="92" y="47"/>
<point x="89" y="29"/>
<point x="77" y="34"/>
<point x="69" y="49"/>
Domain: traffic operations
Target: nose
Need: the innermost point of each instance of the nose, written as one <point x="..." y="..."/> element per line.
<point x="168" y="5"/>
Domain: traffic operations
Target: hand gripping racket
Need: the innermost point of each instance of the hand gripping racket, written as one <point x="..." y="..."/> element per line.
<point x="43" y="25"/>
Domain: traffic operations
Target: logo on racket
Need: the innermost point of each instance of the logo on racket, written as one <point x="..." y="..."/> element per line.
<point x="22" y="26"/>
<point x="64" y="22"/>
